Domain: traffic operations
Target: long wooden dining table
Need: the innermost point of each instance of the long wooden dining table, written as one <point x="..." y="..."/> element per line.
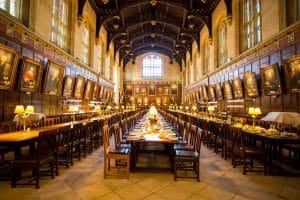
<point x="142" y="136"/>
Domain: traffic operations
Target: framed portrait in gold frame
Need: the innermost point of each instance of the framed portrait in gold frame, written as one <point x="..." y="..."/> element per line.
<point x="174" y="89"/>
<point x="227" y="91"/>
<point x="250" y="84"/>
<point x="211" y="93"/>
<point x="8" y="66"/>
<point x="129" y="89"/>
<point x="152" y="91"/>
<point x="237" y="88"/>
<point x="271" y="80"/>
<point x="89" y="87"/>
<point x="53" y="79"/>
<point x="219" y="93"/>
<point x="31" y="75"/>
<point x="68" y="86"/>
<point x="292" y="73"/>
<point x="79" y="87"/>
<point x="95" y="91"/>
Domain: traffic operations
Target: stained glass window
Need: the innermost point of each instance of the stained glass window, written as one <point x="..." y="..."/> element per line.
<point x="60" y="23"/>
<point x="251" y="26"/>
<point x="11" y="6"/>
<point x="152" y="66"/>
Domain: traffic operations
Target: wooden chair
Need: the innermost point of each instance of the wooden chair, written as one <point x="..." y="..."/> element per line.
<point x="64" y="146"/>
<point x="244" y="153"/>
<point x="44" y="155"/>
<point x="6" y="127"/>
<point x="190" y="141"/>
<point x="186" y="161"/>
<point x="118" y="140"/>
<point x="115" y="154"/>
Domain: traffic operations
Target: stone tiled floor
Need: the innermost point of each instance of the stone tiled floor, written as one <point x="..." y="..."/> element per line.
<point x="219" y="180"/>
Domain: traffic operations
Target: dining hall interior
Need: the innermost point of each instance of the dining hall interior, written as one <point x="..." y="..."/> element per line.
<point x="149" y="99"/>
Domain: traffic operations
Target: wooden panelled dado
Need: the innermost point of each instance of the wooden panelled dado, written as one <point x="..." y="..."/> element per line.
<point x="281" y="47"/>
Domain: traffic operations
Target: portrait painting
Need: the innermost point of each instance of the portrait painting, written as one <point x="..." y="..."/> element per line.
<point x="143" y="91"/>
<point x="174" y="89"/>
<point x="31" y="75"/>
<point x="211" y="93"/>
<point x="95" y="91"/>
<point x="159" y="90"/>
<point x="250" y="84"/>
<point x="152" y="90"/>
<point x="137" y="89"/>
<point x="292" y="73"/>
<point x="227" y="91"/>
<point x="68" y="86"/>
<point x="79" y="87"/>
<point x="237" y="88"/>
<point x="8" y="65"/>
<point x="166" y="90"/>
<point x="158" y="100"/>
<point x="53" y="79"/>
<point x="270" y="78"/>
<point x="165" y="100"/>
<point x="219" y="93"/>
<point x="129" y="89"/>
<point x="89" y="87"/>
<point x="204" y="92"/>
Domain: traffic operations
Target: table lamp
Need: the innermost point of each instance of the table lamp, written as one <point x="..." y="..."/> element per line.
<point x="254" y="112"/>
<point x="24" y="113"/>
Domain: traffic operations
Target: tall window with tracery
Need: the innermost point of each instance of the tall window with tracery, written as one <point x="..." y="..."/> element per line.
<point x="60" y="23"/>
<point x="152" y="66"/>
<point x="205" y="57"/>
<point x="251" y="23"/>
<point x="11" y="6"/>
<point x="85" y="47"/>
<point x="222" y="43"/>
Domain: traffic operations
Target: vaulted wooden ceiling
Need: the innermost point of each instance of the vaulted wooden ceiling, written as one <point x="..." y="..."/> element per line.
<point x="140" y="26"/>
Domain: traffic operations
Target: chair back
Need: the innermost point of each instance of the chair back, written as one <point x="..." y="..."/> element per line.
<point x="117" y="134"/>
<point x="187" y="131"/>
<point x="124" y="129"/>
<point x="63" y="138"/>
<point x="106" y="144"/>
<point x="181" y="128"/>
<point x="49" y="121"/>
<point x="46" y="143"/>
<point x="193" y="135"/>
<point x="6" y="127"/>
<point x="65" y="118"/>
<point x="237" y="137"/>
<point x="198" y="138"/>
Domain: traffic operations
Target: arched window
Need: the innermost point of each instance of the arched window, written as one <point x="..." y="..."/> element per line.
<point x="205" y="57"/>
<point x="85" y="47"/>
<point x="222" y="43"/>
<point x="251" y="23"/>
<point x="152" y="66"/>
<point x="60" y="23"/>
<point x="11" y="6"/>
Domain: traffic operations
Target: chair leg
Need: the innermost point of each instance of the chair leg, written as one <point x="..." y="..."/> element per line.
<point x="244" y="164"/>
<point x="14" y="178"/>
<point x="37" y="179"/>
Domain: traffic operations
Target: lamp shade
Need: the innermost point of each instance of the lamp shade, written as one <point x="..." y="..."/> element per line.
<point x="257" y="111"/>
<point x="19" y="109"/>
<point x="97" y="108"/>
<point x="251" y="110"/>
<point x="29" y="109"/>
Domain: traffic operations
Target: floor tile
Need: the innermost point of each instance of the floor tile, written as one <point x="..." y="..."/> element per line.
<point x="133" y="192"/>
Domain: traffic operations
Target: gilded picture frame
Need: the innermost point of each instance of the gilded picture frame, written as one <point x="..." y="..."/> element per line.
<point x="292" y="73"/>
<point x="79" y="87"/>
<point x="227" y="91"/>
<point x="129" y="89"/>
<point x="53" y="79"/>
<point x="8" y="66"/>
<point x="271" y="80"/>
<point x="89" y="87"/>
<point x="250" y="84"/>
<point x="174" y="89"/>
<point x="96" y="91"/>
<point x="237" y="88"/>
<point x="211" y="93"/>
<point x="68" y="88"/>
<point x="219" y="93"/>
<point x="152" y="91"/>
<point x="31" y="75"/>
